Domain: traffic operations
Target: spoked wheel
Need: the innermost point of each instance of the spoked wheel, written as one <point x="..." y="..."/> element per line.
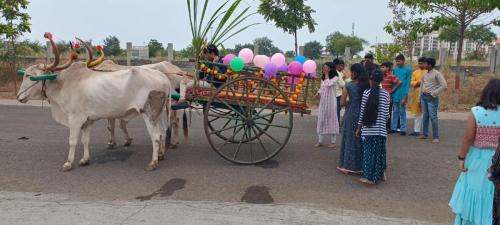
<point x="248" y="120"/>
<point x="218" y="113"/>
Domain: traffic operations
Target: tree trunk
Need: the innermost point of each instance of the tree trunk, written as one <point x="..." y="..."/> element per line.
<point x="461" y="42"/>
<point x="13" y="62"/>
<point x="296" y="45"/>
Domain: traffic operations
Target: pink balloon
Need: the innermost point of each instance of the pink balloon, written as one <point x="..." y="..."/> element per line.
<point x="246" y="54"/>
<point x="227" y="59"/>
<point x="278" y="59"/>
<point x="295" y="68"/>
<point x="261" y="61"/>
<point x="309" y="66"/>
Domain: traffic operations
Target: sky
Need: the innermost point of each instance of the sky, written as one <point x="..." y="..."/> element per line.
<point x="167" y="21"/>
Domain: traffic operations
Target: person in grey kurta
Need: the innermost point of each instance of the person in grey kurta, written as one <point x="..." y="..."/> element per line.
<point x="351" y="157"/>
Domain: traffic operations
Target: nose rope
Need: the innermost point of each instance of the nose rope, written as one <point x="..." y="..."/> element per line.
<point x="27" y="89"/>
<point x="44" y="89"/>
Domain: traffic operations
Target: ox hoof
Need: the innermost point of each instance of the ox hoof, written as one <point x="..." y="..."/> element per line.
<point x="67" y="167"/>
<point x="161" y="157"/>
<point x="128" y="143"/>
<point x="152" y="166"/>
<point x="111" y="145"/>
<point x="84" y="162"/>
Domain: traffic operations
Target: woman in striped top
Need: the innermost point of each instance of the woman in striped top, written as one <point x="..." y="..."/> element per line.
<point x="372" y="129"/>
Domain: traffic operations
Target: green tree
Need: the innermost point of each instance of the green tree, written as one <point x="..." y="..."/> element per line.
<point x="462" y="12"/>
<point x="432" y="53"/>
<point x="405" y="26"/>
<point x="266" y="46"/>
<point x="186" y="53"/>
<point x="313" y="49"/>
<point x="290" y="54"/>
<point x="155" y="48"/>
<point x="289" y="15"/>
<point x="14" y="22"/>
<point x="387" y="52"/>
<point x="480" y="35"/>
<point x="337" y="42"/>
<point x="238" y="47"/>
<point x="112" y="46"/>
<point x="63" y="46"/>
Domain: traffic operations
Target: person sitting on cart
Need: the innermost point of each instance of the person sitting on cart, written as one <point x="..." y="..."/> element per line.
<point x="211" y="54"/>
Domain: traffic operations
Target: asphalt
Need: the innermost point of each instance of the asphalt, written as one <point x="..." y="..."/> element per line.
<point x="33" y="148"/>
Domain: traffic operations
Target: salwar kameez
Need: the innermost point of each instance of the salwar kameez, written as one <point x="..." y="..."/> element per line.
<point x="328" y="123"/>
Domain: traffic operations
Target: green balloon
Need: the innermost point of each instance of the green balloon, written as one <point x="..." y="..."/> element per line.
<point x="237" y="64"/>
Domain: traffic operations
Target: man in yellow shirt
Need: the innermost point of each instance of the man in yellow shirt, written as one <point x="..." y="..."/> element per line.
<point x="416" y="107"/>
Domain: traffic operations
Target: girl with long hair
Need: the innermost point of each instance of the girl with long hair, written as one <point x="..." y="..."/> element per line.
<point x="372" y="129"/>
<point x="350" y="159"/>
<point x="328" y="124"/>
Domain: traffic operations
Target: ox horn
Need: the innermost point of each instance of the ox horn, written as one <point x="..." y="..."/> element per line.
<point x="68" y="63"/>
<point x="50" y="67"/>
<point x="100" y="59"/>
<point x="89" y="50"/>
<point x="74" y="56"/>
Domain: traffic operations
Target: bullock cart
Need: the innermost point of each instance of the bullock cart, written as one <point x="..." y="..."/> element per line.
<point x="248" y="118"/>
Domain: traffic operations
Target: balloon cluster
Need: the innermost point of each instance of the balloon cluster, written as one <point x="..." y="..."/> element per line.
<point x="298" y="69"/>
<point x="271" y="66"/>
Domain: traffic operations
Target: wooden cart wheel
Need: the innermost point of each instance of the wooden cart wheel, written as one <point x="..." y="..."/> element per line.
<point x="248" y="125"/>
<point x="227" y="113"/>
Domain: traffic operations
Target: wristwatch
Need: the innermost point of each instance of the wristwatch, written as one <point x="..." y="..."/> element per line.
<point x="461" y="158"/>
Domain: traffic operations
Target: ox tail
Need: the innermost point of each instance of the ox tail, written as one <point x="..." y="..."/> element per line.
<point x="168" y="135"/>
<point x="185" y="125"/>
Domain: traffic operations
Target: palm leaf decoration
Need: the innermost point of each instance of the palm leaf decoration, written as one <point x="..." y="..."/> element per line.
<point x="225" y="19"/>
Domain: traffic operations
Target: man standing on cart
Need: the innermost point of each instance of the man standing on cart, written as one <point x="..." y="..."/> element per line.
<point x="211" y="54"/>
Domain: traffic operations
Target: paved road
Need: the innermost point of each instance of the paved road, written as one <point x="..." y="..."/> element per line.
<point x="33" y="148"/>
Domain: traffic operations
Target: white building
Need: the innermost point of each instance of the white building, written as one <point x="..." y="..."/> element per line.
<point x="431" y="42"/>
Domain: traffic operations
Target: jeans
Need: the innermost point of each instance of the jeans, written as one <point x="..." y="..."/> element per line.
<point x="398" y="115"/>
<point x="429" y="109"/>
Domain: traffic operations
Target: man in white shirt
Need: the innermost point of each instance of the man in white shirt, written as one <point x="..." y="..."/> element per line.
<point x="339" y="66"/>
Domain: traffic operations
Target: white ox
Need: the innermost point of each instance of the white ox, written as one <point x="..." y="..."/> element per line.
<point x="169" y="70"/>
<point x="79" y="96"/>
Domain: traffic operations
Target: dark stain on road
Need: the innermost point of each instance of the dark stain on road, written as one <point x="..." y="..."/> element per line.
<point x="23" y="138"/>
<point x="257" y="195"/>
<point x="269" y="164"/>
<point x="112" y="156"/>
<point x="166" y="190"/>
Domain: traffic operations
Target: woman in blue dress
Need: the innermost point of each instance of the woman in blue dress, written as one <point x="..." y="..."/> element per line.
<point x="351" y="156"/>
<point x="472" y="198"/>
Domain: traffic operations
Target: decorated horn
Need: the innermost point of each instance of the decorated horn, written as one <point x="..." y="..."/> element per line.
<point x="68" y="63"/>
<point x="100" y="59"/>
<point x="89" y="50"/>
<point x="50" y="67"/>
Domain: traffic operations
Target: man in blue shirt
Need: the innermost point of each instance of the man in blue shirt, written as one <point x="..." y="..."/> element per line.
<point x="400" y="96"/>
